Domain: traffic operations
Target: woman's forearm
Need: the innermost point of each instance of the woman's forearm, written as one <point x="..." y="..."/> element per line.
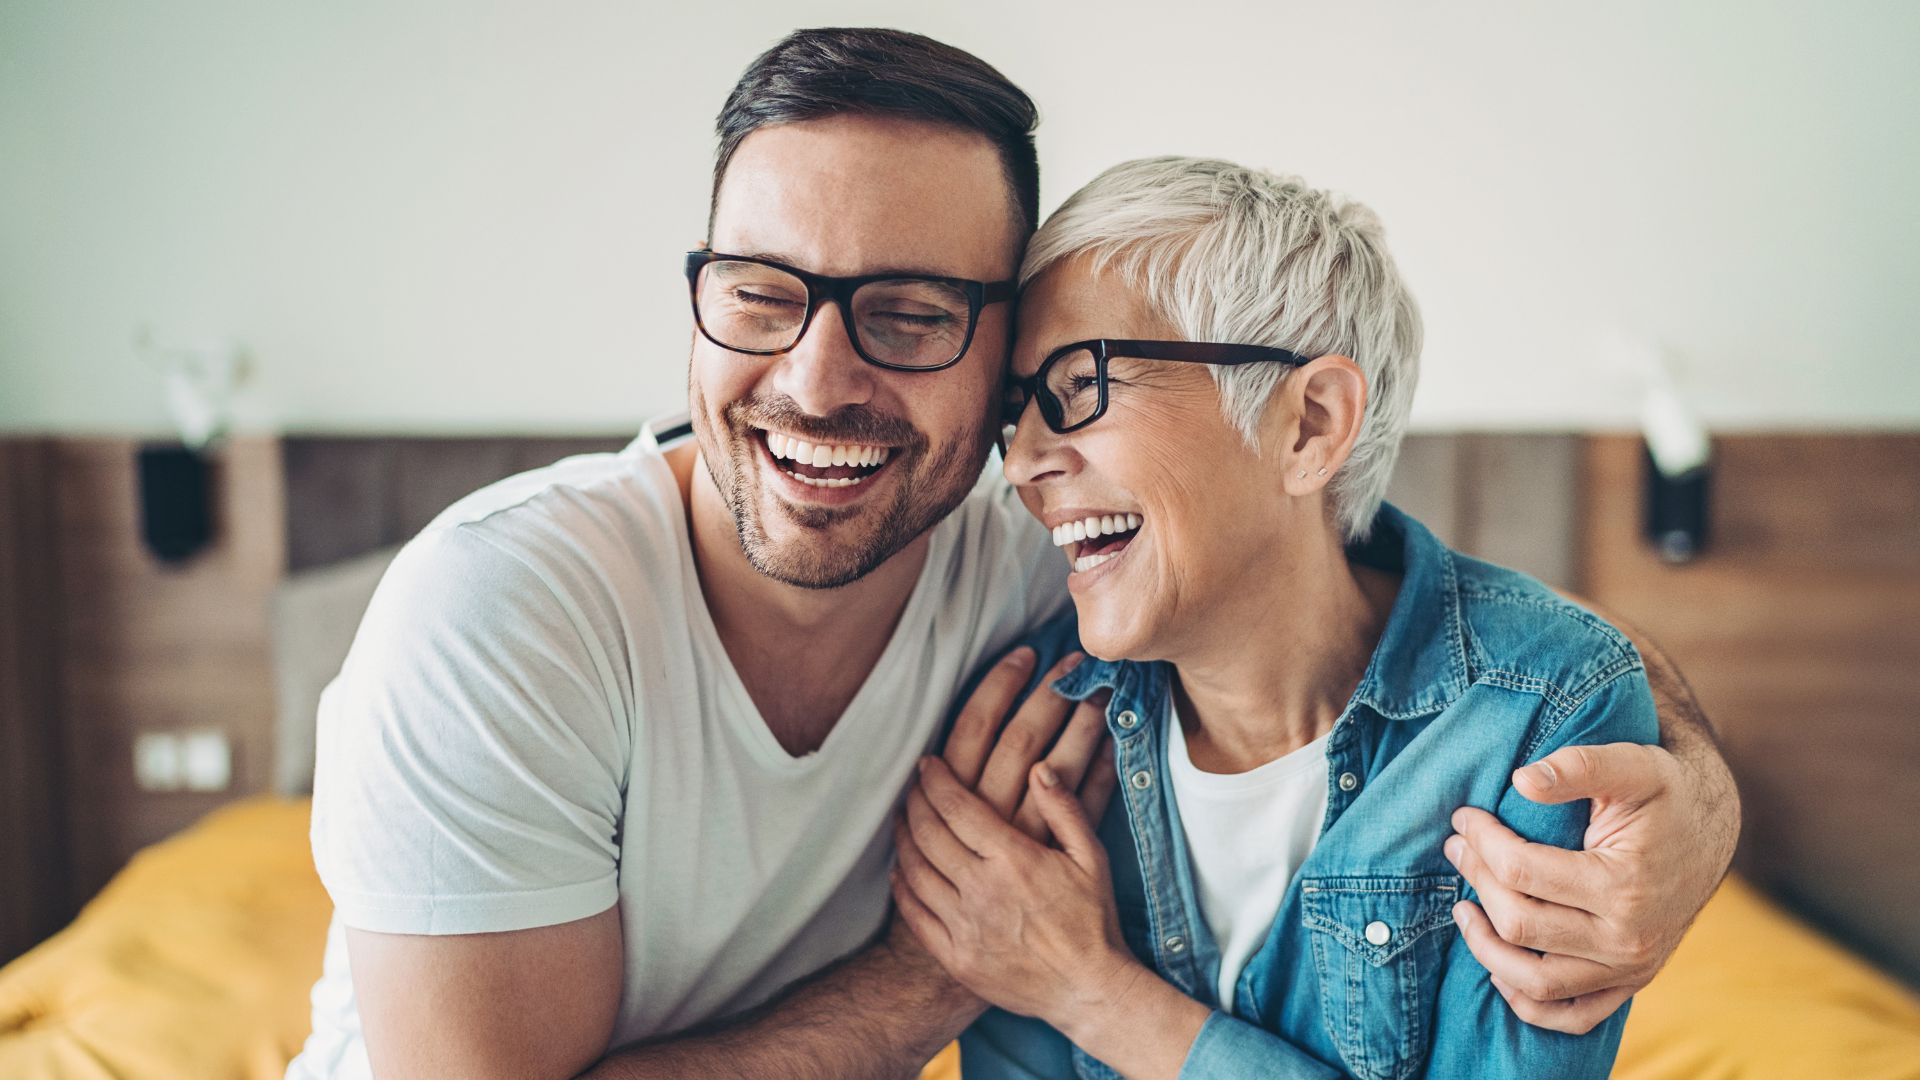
<point x="1144" y="1028"/>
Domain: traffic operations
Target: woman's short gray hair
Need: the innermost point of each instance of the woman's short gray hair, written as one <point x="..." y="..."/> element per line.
<point x="1228" y="253"/>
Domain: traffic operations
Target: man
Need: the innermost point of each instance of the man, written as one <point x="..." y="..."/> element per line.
<point x="615" y="756"/>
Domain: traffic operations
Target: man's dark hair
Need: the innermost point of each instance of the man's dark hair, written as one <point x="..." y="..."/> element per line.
<point x="813" y="74"/>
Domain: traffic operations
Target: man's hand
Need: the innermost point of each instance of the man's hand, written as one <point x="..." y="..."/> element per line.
<point x="1569" y="935"/>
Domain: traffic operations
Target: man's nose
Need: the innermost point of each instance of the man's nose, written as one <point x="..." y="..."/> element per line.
<point x="823" y="373"/>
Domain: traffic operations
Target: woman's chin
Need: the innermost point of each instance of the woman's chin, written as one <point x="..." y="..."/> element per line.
<point x="1107" y="638"/>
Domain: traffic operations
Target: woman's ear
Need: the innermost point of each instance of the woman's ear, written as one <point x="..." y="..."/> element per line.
<point x="1328" y="399"/>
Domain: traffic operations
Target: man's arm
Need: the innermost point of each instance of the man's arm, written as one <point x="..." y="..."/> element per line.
<point x="882" y="1013"/>
<point x="541" y="1003"/>
<point x="526" y="1003"/>
<point x="1571" y="937"/>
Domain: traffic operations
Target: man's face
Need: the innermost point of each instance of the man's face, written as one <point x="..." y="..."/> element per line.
<point x="848" y="196"/>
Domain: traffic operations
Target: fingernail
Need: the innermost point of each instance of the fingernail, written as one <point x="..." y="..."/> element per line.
<point x="1071" y="661"/>
<point x="1048" y="778"/>
<point x="1460" y="915"/>
<point x="921" y="765"/>
<point x="1452" y="849"/>
<point x="1459" y="820"/>
<point x="1022" y="657"/>
<point x="1541" y="774"/>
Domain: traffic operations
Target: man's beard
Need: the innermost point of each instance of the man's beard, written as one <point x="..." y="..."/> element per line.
<point x="926" y="490"/>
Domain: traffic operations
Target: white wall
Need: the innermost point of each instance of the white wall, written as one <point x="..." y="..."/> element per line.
<point x="468" y="216"/>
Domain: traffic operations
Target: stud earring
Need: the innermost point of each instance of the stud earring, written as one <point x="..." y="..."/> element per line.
<point x="1322" y="472"/>
<point x="1303" y="474"/>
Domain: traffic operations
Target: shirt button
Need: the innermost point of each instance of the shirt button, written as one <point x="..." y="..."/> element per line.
<point x="1378" y="933"/>
<point x="1126" y="719"/>
<point x="1348" y="781"/>
<point x="1142" y="779"/>
<point x="1176" y="943"/>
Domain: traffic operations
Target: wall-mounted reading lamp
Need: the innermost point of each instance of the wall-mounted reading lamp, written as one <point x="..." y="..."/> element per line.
<point x="1679" y="460"/>
<point x="176" y="479"/>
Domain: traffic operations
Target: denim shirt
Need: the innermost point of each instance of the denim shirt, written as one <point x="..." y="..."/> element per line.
<point x="1479" y="670"/>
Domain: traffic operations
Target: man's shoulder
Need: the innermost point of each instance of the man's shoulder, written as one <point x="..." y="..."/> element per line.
<point x="992" y="521"/>
<point x="595" y="536"/>
<point x="1001" y="556"/>
<point x="630" y="481"/>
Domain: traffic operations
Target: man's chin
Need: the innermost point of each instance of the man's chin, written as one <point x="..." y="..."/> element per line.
<point x="815" y="547"/>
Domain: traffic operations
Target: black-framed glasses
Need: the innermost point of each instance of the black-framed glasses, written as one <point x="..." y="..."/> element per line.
<point x="903" y="322"/>
<point x="1071" y="383"/>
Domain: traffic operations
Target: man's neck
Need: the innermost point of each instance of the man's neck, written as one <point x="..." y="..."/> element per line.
<point x="801" y="653"/>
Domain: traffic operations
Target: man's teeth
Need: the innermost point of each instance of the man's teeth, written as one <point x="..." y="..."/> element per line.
<point x="1088" y="528"/>
<point x="816" y="481"/>
<point x="821" y="455"/>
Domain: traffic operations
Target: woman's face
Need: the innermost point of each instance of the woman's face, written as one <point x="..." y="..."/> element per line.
<point x="1211" y="512"/>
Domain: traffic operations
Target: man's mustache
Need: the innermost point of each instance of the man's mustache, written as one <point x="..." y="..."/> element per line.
<point x="852" y="424"/>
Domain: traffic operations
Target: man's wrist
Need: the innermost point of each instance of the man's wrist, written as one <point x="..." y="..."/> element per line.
<point x="922" y="983"/>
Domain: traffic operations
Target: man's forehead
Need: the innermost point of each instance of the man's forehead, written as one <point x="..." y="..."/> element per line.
<point x="865" y="195"/>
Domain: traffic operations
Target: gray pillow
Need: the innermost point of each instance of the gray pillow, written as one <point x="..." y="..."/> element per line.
<point x="315" y="615"/>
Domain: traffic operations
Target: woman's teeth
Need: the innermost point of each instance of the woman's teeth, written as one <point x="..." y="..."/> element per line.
<point x="1092" y="527"/>
<point x="1088" y="562"/>
<point x="822" y="456"/>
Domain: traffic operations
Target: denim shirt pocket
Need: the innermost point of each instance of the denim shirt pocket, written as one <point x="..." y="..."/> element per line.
<point x="1380" y="946"/>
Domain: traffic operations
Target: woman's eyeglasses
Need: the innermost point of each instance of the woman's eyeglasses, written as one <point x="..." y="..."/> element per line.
<point x="1071" y="383"/>
<point x="901" y="322"/>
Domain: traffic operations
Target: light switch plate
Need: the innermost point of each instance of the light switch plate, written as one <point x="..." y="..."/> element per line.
<point x="157" y="764"/>
<point x="206" y="761"/>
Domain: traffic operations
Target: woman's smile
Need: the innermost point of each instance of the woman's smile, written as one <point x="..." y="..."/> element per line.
<point x="1091" y="540"/>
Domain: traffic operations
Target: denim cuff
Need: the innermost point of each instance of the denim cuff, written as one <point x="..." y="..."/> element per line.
<point x="1229" y="1049"/>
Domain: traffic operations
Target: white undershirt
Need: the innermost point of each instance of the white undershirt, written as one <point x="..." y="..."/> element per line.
<point x="1247" y="833"/>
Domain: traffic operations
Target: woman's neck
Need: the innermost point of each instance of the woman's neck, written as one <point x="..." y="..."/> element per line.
<point x="1284" y="662"/>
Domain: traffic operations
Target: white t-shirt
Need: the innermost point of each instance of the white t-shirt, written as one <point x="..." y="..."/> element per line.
<point x="1247" y="834"/>
<point x="537" y="721"/>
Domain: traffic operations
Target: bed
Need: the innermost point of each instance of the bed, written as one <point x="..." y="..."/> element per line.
<point x="196" y="961"/>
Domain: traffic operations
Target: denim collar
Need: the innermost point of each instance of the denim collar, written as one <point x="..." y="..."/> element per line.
<point x="1420" y="665"/>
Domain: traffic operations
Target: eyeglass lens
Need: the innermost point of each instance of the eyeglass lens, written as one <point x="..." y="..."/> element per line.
<point x="1072" y="381"/>
<point x="908" y="322"/>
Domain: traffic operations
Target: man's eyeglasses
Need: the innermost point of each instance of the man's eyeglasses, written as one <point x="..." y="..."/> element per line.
<point x="1071" y="383"/>
<point x="896" y="321"/>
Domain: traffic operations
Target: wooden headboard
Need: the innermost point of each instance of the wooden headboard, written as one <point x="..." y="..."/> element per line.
<point x="1800" y="628"/>
<point x="1800" y="631"/>
<point x="346" y="495"/>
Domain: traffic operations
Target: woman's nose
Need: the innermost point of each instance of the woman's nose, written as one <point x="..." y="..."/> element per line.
<point x="823" y="373"/>
<point x="1036" y="453"/>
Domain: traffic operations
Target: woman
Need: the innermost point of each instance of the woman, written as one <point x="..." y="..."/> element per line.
<point x="1304" y="681"/>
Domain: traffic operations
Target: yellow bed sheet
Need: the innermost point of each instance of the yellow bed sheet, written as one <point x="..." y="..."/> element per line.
<point x="195" y="963"/>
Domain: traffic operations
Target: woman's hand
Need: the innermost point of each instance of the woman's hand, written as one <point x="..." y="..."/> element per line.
<point x="1030" y="928"/>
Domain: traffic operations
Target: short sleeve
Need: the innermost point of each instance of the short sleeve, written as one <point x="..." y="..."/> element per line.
<point x="471" y="753"/>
